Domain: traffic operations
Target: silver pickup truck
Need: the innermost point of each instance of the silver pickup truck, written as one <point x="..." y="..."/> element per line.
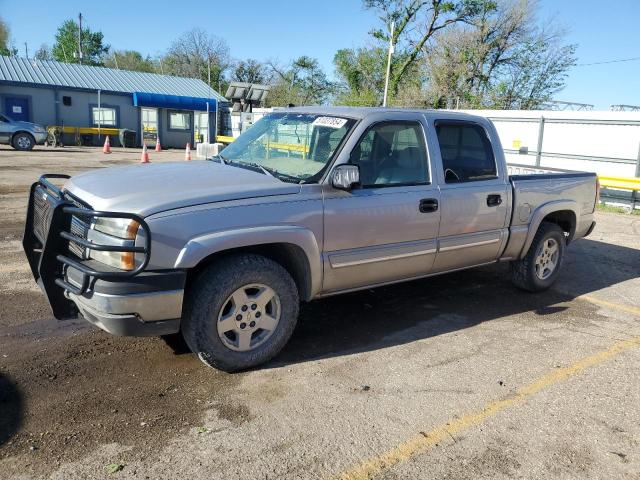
<point x="308" y="202"/>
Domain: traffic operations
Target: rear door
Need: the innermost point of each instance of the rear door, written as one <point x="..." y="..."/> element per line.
<point x="474" y="196"/>
<point x="385" y="230"/>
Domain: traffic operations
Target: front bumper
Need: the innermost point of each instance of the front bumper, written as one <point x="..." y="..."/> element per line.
<point x="133" y="302"/>
<point x="40" y="137"/>
<point x="150" y="304"/>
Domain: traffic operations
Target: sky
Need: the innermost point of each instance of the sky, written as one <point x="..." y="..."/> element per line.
<point x="284" y="29"/>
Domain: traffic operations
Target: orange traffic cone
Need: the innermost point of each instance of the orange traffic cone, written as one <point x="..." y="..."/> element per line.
<point x="107" y="147"/>
<point x="187" y="153"/>
<point x="144" y="158"/>
<point x="158" y="147"/>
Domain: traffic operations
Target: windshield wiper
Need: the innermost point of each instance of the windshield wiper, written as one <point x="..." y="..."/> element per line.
<point x="271" y="172"/>
<point x="279" y="175"/>
<point x="223" y="160"/>
<point x="264" y="170"/>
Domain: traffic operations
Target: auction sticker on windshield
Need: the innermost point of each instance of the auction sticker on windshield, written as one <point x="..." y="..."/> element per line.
<point x="331" y="122"/>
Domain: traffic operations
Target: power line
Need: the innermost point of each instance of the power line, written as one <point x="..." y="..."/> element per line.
<point x="608" y="61"/>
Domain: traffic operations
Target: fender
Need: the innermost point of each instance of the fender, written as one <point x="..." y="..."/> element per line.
<point x="198" y="248"/>
<point x="541" y="212"/>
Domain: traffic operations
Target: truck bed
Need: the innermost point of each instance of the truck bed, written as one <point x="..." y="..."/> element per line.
<point x="570" y="196"/>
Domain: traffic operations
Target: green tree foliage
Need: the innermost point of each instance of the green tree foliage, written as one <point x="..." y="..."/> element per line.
<point x="5" y="47"/>
<point x="192" y="54"/>
<point x="250" y="71"/>
<point x="130" y="60"/>
<point x="361" y="75"/>
<point x="416" y="24"/>
<point x="65" y="48"/>
<point x="504" y="60"/>
<point x="302" y="82"/>
<point x="538" y="71"/>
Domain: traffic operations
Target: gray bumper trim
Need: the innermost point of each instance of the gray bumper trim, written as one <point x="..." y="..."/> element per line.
<point x="128" y="325"/>
<point x="148" y="307"/>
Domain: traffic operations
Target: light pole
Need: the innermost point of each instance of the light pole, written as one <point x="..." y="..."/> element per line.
<point x="386" y="81"/>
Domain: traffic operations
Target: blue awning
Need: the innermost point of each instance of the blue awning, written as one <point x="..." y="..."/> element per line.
<point x="175" y="102"/>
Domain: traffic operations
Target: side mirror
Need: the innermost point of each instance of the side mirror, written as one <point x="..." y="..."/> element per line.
<point x="345" y="177"/>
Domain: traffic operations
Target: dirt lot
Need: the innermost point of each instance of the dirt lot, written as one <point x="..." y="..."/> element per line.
<point x="459" y="376"/>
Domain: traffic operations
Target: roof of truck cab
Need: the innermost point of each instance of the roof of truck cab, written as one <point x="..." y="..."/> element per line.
<point x="362" y="112"/>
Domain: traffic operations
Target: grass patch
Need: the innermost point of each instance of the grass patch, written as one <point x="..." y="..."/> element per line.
<point x="612" y="209"/>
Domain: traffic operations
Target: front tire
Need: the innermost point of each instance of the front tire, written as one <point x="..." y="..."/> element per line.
<point x="23" y="141"/>
<point x="240" y="312"/>
<point x="540" y="267"/>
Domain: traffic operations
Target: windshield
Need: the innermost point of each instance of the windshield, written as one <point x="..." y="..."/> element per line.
<point x="294" y="147"/>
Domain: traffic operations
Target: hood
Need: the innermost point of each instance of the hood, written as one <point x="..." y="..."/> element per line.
<point x="27" y="125"/>
<point x="156" y="187"/>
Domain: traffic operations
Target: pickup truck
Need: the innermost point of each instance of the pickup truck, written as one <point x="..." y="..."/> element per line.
<point x="307" y="203"/>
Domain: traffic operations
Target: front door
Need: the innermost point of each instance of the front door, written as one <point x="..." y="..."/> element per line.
<point x="475" y="199"/>
<point x="387" y="229"/>
<point x="201" y="127"/>
<point x="17" y="108"/>
<point x="149" y="125"/>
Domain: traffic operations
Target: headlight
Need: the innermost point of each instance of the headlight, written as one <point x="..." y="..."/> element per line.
<point x="123" y="229"/>
<point x="118" y="227"/>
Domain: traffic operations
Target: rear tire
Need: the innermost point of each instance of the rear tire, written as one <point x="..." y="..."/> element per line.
<point x="540" y="267"/>
<point x="23" y="141"/>
<point x="240" y="312"/>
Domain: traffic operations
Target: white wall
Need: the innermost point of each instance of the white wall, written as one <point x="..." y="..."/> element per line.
<point x="612" y="137"/>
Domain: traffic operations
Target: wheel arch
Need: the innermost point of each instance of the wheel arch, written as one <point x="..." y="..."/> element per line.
<point x="18" y="132"/>
<point x="563" y="213"/>
<point x="295" y="248"/>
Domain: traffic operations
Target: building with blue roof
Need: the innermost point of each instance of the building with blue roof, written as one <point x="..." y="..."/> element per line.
<point x="180" y="110"/>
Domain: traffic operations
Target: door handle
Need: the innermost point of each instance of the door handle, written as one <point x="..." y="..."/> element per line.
<point x="428" y="205"/>
<point x="494" y="200"/>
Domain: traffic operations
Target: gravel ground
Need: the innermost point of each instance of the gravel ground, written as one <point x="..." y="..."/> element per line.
<point x="363" y="375"/>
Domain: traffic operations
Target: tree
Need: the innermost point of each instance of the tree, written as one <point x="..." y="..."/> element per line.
<point x="250" y="71"/>
<point x="43" y="53"/>
<point x="361" y="76"/>
<point x="416" y="23"/>
<point x="129" y="60"/>
<point x="537" y="72"/>
<point x="5" y="47"/>
<point x="502" y="60"/>
<point x="302" y="82"/>
<point x="194" y="53"/>
<point x="65" y="48"/>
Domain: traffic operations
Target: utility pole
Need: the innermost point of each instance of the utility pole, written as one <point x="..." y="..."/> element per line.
<point x="26" y="50"/>
<point x="209" y="85"/>
<point x="386" y="81"/>
<point x="80" y="38"/>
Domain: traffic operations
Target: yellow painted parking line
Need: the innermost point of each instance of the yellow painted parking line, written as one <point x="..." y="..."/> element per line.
<point x="611" y="305"/>
<point x="426" y="440"/>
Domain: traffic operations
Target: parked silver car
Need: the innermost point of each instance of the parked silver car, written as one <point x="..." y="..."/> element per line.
<point x="308" y="202"/>
<point x="20" y="135"/>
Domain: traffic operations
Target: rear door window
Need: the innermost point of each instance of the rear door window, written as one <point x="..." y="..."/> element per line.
<point x="467" y="155"/>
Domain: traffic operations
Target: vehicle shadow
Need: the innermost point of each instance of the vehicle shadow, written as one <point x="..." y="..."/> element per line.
<point x="11" y="408"/>
<point x="403" y="313"/>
